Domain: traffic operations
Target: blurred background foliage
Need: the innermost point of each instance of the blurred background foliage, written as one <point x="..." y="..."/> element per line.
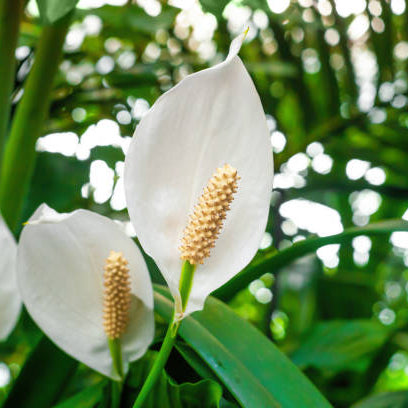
<point x="332" y="78"/>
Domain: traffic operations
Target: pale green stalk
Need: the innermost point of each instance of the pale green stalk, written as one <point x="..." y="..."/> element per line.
<point x="186" y="281"/>
<point x="10" y="16"/>
<point x="28" y="122"/>
<point x="116" y="386"/>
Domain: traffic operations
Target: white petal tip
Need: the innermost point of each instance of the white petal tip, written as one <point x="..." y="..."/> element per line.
<point x="46" y="215"/>
<point x="236" y="45"/>
<point x="245" y="33"/>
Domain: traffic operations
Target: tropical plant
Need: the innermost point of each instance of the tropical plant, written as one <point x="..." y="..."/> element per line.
<point x="319" y="317"/>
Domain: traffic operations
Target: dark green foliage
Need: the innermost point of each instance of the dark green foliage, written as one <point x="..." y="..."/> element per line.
<point x="341" y="345"/>
<point x="166" y="393"/>
<point x="397" y="399"/>
<point x="264" y="377"/>
<point x="43" y="377"/>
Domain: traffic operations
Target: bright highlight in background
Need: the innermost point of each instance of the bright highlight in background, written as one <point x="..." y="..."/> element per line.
<point x="313" y="217"/>
<point x="278" y="6"/>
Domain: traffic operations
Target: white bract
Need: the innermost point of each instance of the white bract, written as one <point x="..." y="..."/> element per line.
<point x="211" y="118"/>
<point x="10" y="301"/>
<point x="60" y="266"/>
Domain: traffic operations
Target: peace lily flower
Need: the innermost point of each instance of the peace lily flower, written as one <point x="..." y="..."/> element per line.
<point x="86" y="285"/>
<point x="198" y="178"/>
<point x="10" y="301"/>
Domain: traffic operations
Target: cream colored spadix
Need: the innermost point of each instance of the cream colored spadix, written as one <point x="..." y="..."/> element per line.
<point x="211" y="118"/>
<point x="70" y="281"/>
<point x="10" y="300"/>
<point x="209" y="214"/>
<point x="117" y="296"/>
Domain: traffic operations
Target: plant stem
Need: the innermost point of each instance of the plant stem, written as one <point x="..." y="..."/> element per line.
<point x="186" y="282"/>
<point x="116" y="386"/>
<point x="116" y="392"/>
<point x="28" y="122"/>
<point x="116" y="353"/>
<point x="10" y="16"/>
<point x="158" y="365"/>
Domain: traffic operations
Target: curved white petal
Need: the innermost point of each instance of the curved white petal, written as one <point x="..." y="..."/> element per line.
<point x="10" y="300"/>
<point x="60" y="274"/>
<point x="210" y="118"/>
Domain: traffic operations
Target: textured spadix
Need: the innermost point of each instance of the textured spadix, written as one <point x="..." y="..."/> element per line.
<point x="209" y="214"/>
<point x="209" y="119"/>
<point x="60" y="268"/>
<point x="117" y="297"/>
<point x="10" y="301"/>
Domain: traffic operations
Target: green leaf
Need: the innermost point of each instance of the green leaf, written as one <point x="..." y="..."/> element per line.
<point x="51" y="10"/>
<point x="273" y="261"/>
<point x="397" y="399"/>
<point x="203" y="394"/>
<point x="340" y="345"/>
<point x="87" y="398"/>
<point x="252" y="368"/>
<point x="166" y="393"/>
<point x="42" y="377"/>
<point x="195" y="361"/>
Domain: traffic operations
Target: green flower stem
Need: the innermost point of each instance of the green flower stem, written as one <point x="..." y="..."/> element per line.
<point x="10" y="16"/>
<point x="116" y="392"/>
<point x="116" y="386"/>
<point x="158" y="365"/>
<point x="28" y="122"/>
<point x="116" y="353"/>
<point x="186" y="281"/>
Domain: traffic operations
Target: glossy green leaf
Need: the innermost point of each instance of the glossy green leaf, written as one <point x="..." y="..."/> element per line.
<point x="252" y="368"/>
<point x="42" y="377"/>
<point x="273" y="261"/>
<point x="51" y="10"/>
<point x="195" y="361"/>
<point x="339" y="345"/>
<point x="397" y="399"/>
<point x="168" y="394"/>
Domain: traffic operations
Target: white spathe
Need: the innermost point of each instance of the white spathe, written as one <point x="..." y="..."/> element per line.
<point x="60" y="274"/>
<point x="10" y="300"/>
<point x="210" y="118"/>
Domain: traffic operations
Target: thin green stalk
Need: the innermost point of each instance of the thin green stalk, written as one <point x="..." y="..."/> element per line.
<point x="10" y="16"/>
<point x="116" y="392"/>
<point x="116" y="353"/>
<point x="116" y="386"/>
<point x="159" y="364"/>
<point x="28" y="122"/>
<point x="186" y="281"/>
